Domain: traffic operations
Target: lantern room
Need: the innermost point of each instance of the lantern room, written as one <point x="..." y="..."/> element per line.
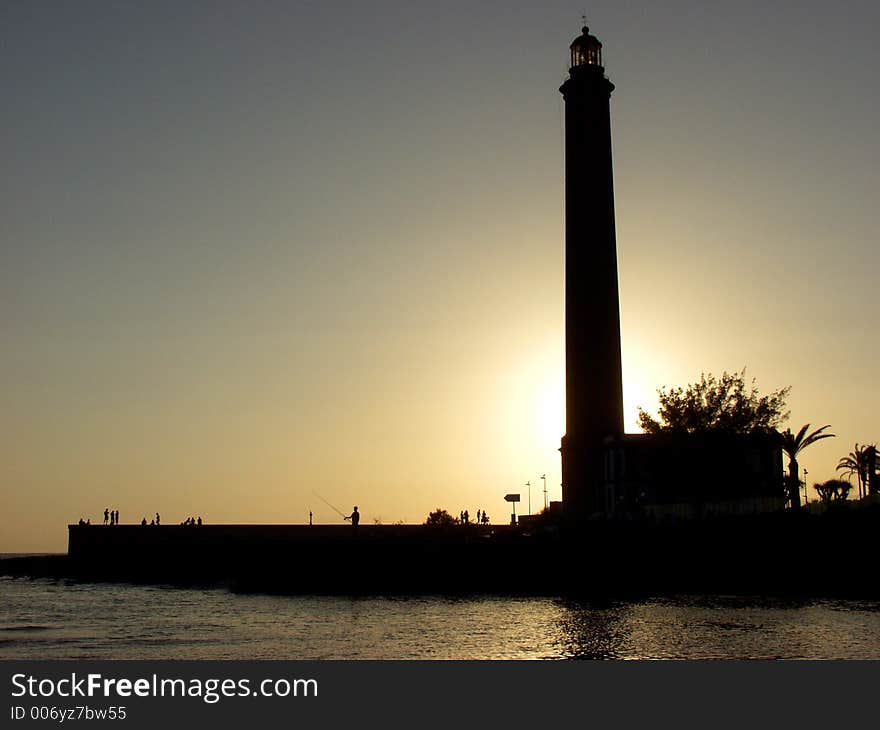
<point x="586" y="50"/>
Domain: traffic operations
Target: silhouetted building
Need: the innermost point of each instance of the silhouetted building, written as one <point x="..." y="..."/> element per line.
<point x="593" y="374"/>
<point x="692" y="475"/>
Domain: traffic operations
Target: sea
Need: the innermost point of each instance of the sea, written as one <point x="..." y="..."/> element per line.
<point x="65" y="619"/>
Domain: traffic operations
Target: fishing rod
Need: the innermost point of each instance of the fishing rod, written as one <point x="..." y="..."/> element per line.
<point x="339" y="512"/>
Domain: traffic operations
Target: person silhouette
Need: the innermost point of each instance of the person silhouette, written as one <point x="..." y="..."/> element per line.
<point x="144" y="522"/>
<point x="157" y="519"/>
<point x="106" y="515"/>
<point x="117" y="517"/>
<point x="199" y="521"/>
<point x="355" y="517"/>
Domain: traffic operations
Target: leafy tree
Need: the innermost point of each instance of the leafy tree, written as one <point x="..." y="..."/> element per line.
<point x="792" y="445"/>
<point x="441" y="518"/>
<point x="726" y="404"/>
<point x="833" y="490"/>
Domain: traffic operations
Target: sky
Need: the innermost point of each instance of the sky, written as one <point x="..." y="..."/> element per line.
<point x="259" y="256"/>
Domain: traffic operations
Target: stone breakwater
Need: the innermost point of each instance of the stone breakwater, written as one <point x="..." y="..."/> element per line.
<point x="775" y="554"/>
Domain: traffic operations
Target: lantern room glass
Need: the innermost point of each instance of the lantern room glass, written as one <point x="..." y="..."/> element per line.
<point x="586" y="51"/>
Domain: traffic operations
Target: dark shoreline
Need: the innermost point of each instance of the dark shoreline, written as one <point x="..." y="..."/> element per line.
<point x="786" y="554"/>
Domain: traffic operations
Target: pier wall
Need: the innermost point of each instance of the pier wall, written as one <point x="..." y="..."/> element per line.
<point x="783" y="553"/>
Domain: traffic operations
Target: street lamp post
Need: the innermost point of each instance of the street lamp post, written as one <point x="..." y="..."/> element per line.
<point x="806" y="499"/>
<point x="544" y="478"/>
<point x="529" y="485"/>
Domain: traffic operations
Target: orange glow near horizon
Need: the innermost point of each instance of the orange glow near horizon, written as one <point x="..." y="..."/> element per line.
<point x="304" y="277"/>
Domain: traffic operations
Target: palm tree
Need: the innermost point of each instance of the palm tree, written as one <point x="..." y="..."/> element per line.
<point x="792" y="445"/>
<point x="871" y="459"/>
<point x="859" y="462"/>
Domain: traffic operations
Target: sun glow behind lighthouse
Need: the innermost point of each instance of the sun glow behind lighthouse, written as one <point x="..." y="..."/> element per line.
<point x="247" y="269"/>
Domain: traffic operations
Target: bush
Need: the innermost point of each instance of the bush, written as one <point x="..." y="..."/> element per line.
<point x="441" y="518"/>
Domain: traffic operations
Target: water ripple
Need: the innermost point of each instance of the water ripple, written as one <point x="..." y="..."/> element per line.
<point x="60" y="619"/>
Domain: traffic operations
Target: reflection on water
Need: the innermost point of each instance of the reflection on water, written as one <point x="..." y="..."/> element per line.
<point x="591" y="631"/>
<point x="700" y="627"/>
<point x="57" y="619"/>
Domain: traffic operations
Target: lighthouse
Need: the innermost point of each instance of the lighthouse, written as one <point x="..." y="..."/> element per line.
<point x="593" y="372"/>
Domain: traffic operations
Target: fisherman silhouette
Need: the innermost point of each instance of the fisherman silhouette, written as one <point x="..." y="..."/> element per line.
<point x="354" y="517"/>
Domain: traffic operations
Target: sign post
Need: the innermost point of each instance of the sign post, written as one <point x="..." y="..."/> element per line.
<point x="513" y="499"/>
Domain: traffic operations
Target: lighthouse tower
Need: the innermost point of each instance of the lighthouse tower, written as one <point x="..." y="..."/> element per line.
<point x="593" y="375"/>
